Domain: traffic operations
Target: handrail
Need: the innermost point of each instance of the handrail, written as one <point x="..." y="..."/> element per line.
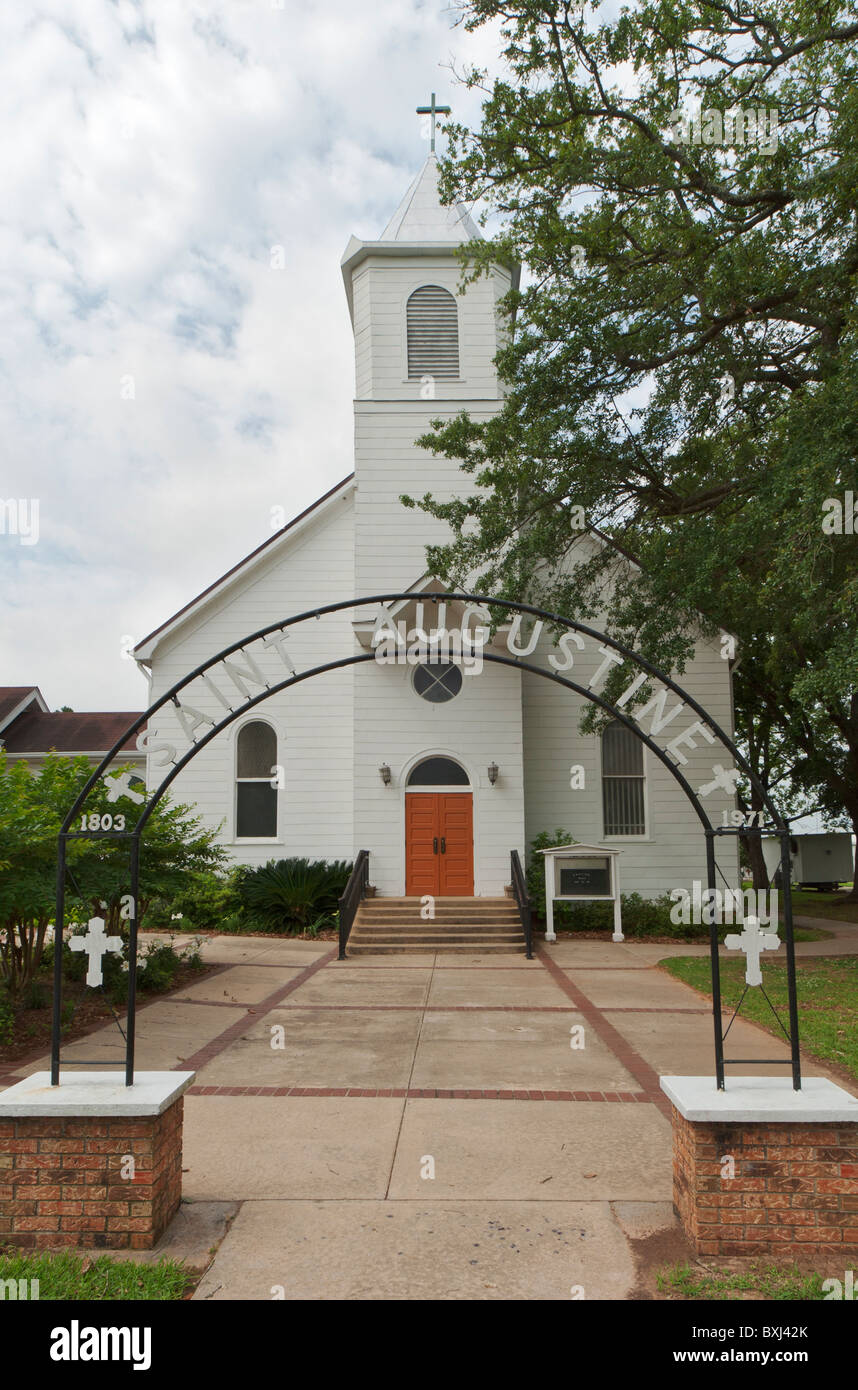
<point x="353" y="894"/>
<point x="522" y="897"/>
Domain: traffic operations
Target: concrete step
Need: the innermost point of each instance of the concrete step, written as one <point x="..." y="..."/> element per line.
<point x="444" y="928"/>
<point x="465" y="925"/>
<point x="483" y="919"/>
<point x="448" y="904"/>
<point x="434" y="940"/>
<point x="480" y="948"/>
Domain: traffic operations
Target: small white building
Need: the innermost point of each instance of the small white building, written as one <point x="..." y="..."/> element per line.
<point x="822" y="860"/>
<point x="439" y="769"/>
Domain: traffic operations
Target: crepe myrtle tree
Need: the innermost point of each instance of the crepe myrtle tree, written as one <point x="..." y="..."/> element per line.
<point x="33" y="805"/>
<point x="679" y="183"/>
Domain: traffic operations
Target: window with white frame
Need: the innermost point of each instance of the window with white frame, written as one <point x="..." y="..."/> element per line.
<point x="623" y="800"/>
<point x="255" y="797"/>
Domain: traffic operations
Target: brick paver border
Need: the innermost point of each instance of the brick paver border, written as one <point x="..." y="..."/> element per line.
<point x="217" y="1045"/>
<point x="645" y="1075"/>
<point x="422" y="1093"/>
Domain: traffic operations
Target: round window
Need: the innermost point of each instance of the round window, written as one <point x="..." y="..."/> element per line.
<point x="438" y="681"/>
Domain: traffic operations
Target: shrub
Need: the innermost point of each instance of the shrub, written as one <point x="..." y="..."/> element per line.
<point x="7" y="1018"/>
<point x="201" y="903"/>
<point x="535" y="875"/>
<point x="33" y="805"/>
<point x="292" y="893"/>
<point x="157" y="967"/>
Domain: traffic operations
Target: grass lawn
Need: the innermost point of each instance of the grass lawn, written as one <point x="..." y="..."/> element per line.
<point x="827" y="1000"/>
<point x="768" y="1281"/>
<point x="806" y="902"/>
<point x="99" y="1278"/>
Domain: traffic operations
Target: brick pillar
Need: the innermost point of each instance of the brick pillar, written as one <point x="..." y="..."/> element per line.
<point x="776" y="1184"/>
<point x="91" y="1163"/>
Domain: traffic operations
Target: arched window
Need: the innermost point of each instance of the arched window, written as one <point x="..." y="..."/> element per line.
<point x="432" y="324"/>
<point x="255" y="797"/>
<point x="438" y="772"/>
<point x="623" y="799"/>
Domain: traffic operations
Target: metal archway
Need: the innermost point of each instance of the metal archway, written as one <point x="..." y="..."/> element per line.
<point x="669" y="756"/>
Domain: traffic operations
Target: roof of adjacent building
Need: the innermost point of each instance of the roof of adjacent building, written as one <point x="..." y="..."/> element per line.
<point x="89" y="732"/>
<point x="13" y="697"/>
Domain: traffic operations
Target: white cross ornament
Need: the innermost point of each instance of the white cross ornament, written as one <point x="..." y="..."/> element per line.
<point x="120" y="785"/>
<point x="752" y="941"/>
<point x="95" y="943"/>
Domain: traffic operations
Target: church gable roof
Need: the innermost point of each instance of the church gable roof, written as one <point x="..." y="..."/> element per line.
<point x="145" y="649"/>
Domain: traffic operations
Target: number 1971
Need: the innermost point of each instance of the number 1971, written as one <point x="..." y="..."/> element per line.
<point x="742" y="818"/>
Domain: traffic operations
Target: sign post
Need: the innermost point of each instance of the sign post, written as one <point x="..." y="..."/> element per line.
<point x="582" y="873"/>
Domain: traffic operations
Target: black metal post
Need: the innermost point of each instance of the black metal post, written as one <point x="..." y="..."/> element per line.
<point x="59" y="919"/>
<point x="786" y="887"/>
<point x="132" y="963"/>
<point x="342" y="930"/>
<point x="715" y="962"/>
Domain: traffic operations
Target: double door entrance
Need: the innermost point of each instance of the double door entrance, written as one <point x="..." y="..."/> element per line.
<point x="439" y="844"/>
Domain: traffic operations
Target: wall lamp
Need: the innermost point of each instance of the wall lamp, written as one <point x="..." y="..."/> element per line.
<point x="493" y="773"/>
<point x="384" y="774"/>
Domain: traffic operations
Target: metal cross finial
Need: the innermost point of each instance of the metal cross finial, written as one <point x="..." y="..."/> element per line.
<point x="433" y="111"/>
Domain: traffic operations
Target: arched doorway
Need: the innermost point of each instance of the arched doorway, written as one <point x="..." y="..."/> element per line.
<point x="439" y="830"/>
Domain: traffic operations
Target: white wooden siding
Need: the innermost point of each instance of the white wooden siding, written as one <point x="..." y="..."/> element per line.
<point x="313" y="720"/>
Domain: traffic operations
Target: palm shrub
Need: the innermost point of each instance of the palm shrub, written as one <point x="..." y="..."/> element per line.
<point x="293" y="893"/>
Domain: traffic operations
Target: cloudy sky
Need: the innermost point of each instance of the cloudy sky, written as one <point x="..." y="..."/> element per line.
<point x="162" y="387"/>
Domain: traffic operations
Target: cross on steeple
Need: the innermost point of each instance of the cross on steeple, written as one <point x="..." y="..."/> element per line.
<point x="433" y="111"/>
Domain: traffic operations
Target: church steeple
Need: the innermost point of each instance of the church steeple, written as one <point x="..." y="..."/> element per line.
<point x="424" y="349"/>
<point x="421" y="216"/>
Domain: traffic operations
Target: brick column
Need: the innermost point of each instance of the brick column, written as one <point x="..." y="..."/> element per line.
<point x="91" y="1163"/>
<point x="760" y="1169"/>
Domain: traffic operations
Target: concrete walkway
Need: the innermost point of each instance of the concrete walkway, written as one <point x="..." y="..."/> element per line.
<point x="432" y="1127"/>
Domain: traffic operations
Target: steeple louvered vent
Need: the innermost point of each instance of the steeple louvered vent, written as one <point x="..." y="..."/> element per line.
<point x="433" y="333"/>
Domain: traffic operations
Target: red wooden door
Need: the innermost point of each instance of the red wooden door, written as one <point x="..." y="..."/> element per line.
<point x="439" y="844"/>
<point x="456" y="856"/>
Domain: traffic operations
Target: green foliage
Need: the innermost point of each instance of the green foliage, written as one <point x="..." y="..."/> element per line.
<point x="201" y="903"/>
<point x="158" y="964"/>
<point x="684" y="366"/>
<point x="535" y="874"/>
<point x="642" y="917"/>
<point x="291" y="894"/>
<point x="7" y="1018"/>
<point x="33" y="807"/>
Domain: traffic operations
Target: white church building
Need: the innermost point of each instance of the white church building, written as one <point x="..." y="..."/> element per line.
<point x="438" y="767"/>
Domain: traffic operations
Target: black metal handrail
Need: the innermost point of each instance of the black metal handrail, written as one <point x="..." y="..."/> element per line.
<point x="522" y="897"/>
<point x="355" y="891"/>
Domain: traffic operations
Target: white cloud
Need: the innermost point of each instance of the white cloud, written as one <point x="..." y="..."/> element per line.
<point x="162" y="386"/>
